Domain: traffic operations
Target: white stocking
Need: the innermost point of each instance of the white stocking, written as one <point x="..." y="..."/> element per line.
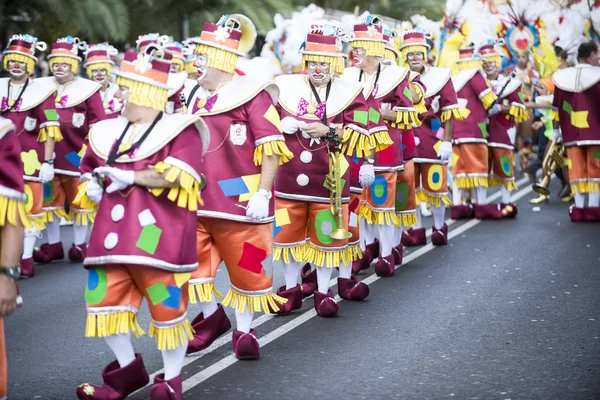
<point x="79" y="234"/>
<point x="418" y="211"/>
<point x="368" y="231"/>
<point x="438" y="216"/>
<point x="481" y="193"/>
<point x="209" y="307"/>
<point x="387" y="238"/>
<point x="291" y="272"/>
<point x="29" y="243"/>
<point x="579" y="200"/>
<point x="505" y="195"/>
<point x="594" y="199"/>
<point x="323" y="278"/>
<point x="397" y="235"/>
<point x="120" y="345"/>
<point x="345" y="271"/>
<point x="53" y="231"/>
<point x="173" y="360"/>
<point x="456" y="195"/>
<point x="244" y="320"/>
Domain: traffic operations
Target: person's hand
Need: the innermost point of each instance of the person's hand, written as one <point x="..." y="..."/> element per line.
<point x="316" y="130"/>
<point x="120" y="178"/>
<point x="94" y="191"/>
<point x="389" y="115"/>
<point x="494" y="110"/>
<point x="291" y="125"/>
<point x="8" y="295"/>
<point x="435" y="104"/>
<point x="258" y="206"/>
<point x="445" y="151"/>
<point x="366" y="174"/>
<point x="46" y="172"/>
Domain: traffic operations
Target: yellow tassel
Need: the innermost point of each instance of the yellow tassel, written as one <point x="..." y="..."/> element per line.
<point x="82" y="199"/>
<point x="172" y="337"/>
<point x="468" y="65"/>
<point x="264" y="302"/>
<point x="74" y="63"/>
<point x="554" y="116"/>
<point x="363" y="144"/>
<point x="509" y="185"/>
<point x="409" y="218"/>
<point x="59" y="213"/>
<point x="102" y="325"/>
<point x="488" y="99"/>
<point x="276" y="147"/>
<point x="20" y="58"/>
<point x="374" y="49"/>
<point x="336" y="63"/>
<point x="583" y="187"/>
<point x="405" y="120"/>
<point x="82" y="219"/>
<point x="593" y="187"/>
<point x="187" y="194"/>
<point x="356" y="252"/>
<point x="469" y="182"/>
<point x="50" y="131"/>
<point x="457" y="113"/>
<point x="328" y="259"/>
<point x="144" y="94"/>
<point x="202" y="292"/>
<point x="283" y="253"/>
<point x="518" y="113"/>
<point x="103" y="65"/>
<point x="389" y="55"/>
<point x="378" y="217"/>
<point x="10" y="210"/>
<point x="419" y="105"/>
<point x="435" y="201"/>
<point x="36" y="223"/>
<point x="222" y="60"/>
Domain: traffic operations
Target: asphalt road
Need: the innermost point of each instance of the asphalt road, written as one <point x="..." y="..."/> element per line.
<point x="508" y="310"/>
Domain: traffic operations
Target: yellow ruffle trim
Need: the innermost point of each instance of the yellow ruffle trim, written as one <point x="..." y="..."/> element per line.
<point x="378" y="217"/>
<point x="102" y="325"/>
<point x="519" y="114"/>
<point x="435" y="201"/>
<point x="83" y="219"/>
<point x="356" y="252"/>
<point x="329" y="259"/>
<point x="144" y="94"/>
<point x="59" y="213"/>
<point x="468" y="182"/>
<point x="187" y="193"/>
<point x="172" y="337"/>
<point x="10" y="210"/>
<point x="36" y="224"/>
<point x="488" y="99"/>
<point x="583" y="187"/>
<point x="50" y="131"/>
<point x="457" y="113"/>
<point x="82" y="200"/>
<point x="264" y="302"/>
<point x="405" y="120"/>
<point x="363" y="144"/>
<point x="276" y="147"/>
<point x="203" y="292"/>
<point x="408" y="218"/>
<point x="283" y="253"/>
<point x="509" y="185"/>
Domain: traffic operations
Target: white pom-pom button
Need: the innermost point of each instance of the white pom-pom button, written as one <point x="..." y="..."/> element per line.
<point x="111" y="240"/>
<point x="302" y="180"/>
<point x="306" y="156"/>
<point x="117" y="213"/>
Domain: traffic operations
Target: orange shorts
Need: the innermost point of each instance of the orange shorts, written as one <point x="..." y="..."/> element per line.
<point x="501" y="171"/>
<point x="380" y="196"/>
<point x="584" y="171"/>
<point x="431" y="182"/>
<point x="406" y="197"/>
<point x="353" y="219"/>
<point x="34" y="201"/>
<point x="62" y="188"/>
<point x="3" y="363"/>
<point x="471" y="167"/>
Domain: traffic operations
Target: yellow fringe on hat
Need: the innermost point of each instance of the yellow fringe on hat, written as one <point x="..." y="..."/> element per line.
<point x="519" y="113"/>
<point x="172" y="337"/>
<point x="94" y="67"/>
<point x="144" y="94"/>
<point x="180" y="62"/>
<point x="469" y="182"/>
<point x="51" y="131"/>
<point x="409" y="218"/>
<point x="457" y="113"/>
<point x="220" y="59"/>
<point x="264" y="302"/>
<point x="467" y="65"/>
<point x="378" y="217"/>
<point x="336" y="64"/>
<point x="328" y="259"/>
<point x="10" y="210"/>
<point x="405" y="120"/>
<point x="554" y="116"/>
<point x="283" y="253"/>
<point x="202" y="292"/>
<point x="187" y="193"/>
<point x="356" y="252"/>
<point x="488" y="99"/>
<point x="190" y="67"/>
<point x="102" y="325"/>
<point x="59" y="213"/>
<point x="495" y="181"/>
<point x="74" y="63"/>
<point x="437" y="201"/>
<point x="413" y="49"/>
<point x="496" y="59"/>
<point x="275" y="147"/>
<point x="363" y="144"/>
<point x="374" y="49"/>
<point x="390" y="55"/>
<point x="20" y="58"/>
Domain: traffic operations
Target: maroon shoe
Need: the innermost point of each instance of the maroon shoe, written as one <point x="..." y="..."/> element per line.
<point x="118" y="382"/>
<point x="398" y="253"/>
<point x="384" y="267"/>
<point x="362" y="263"/>
<point x="576" y="213"/>
<point x="439" y="237"/>
<point x="309" y="281"/>
<point x="166" y="390"/>
<point x="245" y="345"/>
<point x="294" y="300"/>
<point x="48" y="253"/>
<point x="207" y="330"/>
<point x="511" y="209"/>
<point x="591" y="214"/>
<point x="373" y="249"/>
<point x="352" y="289"/>
<point x="490" y="211"/>
<point x="414" y="237"/>
<point x="27" y="269"/>
<point x="325" y="304"/>
<point x="462" y="212"/>
<point x="77" y="253"/>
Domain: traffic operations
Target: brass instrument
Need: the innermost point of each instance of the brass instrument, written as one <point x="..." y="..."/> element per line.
<point x="333" y="182"/>
<point x="556" y="157"/>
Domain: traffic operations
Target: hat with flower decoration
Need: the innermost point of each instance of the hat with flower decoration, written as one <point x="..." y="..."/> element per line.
<point x="145" y="75"/>
<point x="98" y="56"/>
<point x="391" y="44"/>
<point x="190" y="60"/>
<point x="324" y="43"/>
<point x="368" y="34"/>
<point x="468" y="58"/>
<point x="491" y="51"/>
<point x="22" y="48"/>
<point x="413" y="41"/>
<point x="151" y="38"/>
<point x="66" y="51"/>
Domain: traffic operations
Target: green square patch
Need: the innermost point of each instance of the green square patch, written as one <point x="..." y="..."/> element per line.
<point x="361" y="117"/>
<point x="158" y="293"/>
<point x="597" y="154"/>
<point x="149" y="238"/>
<point x="374" y="115"/>
<point x="522" y="97"/>
<point x="567" y="107"/>
<point x="51" y="115"/>
<point x="483" y="129"/>
<point x="406" y="92"/>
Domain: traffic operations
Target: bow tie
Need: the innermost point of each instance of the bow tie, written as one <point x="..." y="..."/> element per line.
<point x="207" y="103"/>
<point x="9" y="103"/>
<point x="62" y="100"/>
<point x="305" y="108"/>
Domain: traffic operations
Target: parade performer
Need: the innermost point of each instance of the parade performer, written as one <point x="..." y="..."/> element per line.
<point x="29" y="104"/>
<point x="79" y="106"/>
<point x="331" y="130"/>
<point x="235" y="225"/>
<point x="575" y="100"/>
<point x="143" y="170"/>
<point x="470" y="166"/>
<point x="390" y="89"/>
<point x="434" y="137"/>
<point x="13" y="219"/>
<point x="177" y="77"/>
<point x="503" y="116"/>
<point x="98" y="66"/>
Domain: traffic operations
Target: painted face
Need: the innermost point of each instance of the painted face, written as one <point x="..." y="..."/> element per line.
<point x="358" y="55"/>
<point x="123" y="96"/>
<point x="201" y="64"/>
<point x="99" y="75"/>
<point x="490" y="67"/>
<point x="17" y="69"/>
<point x="175" y="68"/>
<point x="522" y="60"/>
<point x="318" y="72"/>
<point x="542" y="90"/>
<point x="415" y="59"/>
<point x="61" y="70"/>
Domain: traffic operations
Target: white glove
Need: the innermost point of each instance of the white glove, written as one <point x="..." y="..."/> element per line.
<point x="46" y="172"/>
<point x="120" y="178"/>
<point x="290" y="125"/>
<point x="494" y="110"/>
<point x="445" y="151"/>
<point x="435" y="104"/>
<point x="94" y="191"/>
<point x="556" y="135"/>
<point x="417" y="141"/>
<point x="258" y="206"/>
<point x="366" y="175"/>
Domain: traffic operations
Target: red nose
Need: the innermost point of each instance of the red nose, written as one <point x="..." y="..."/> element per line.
<point x="317" y="71"/>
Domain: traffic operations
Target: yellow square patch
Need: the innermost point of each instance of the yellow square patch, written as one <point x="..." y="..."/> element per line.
<point x="273" y="117"/>
<point x="343" y="165"/>
<point x="251" y="182"/>
<point x="579" y="119"/>
<point x="282" y="217"/>
<point x="182" y="278"/>
<point x="569" y="164"/>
